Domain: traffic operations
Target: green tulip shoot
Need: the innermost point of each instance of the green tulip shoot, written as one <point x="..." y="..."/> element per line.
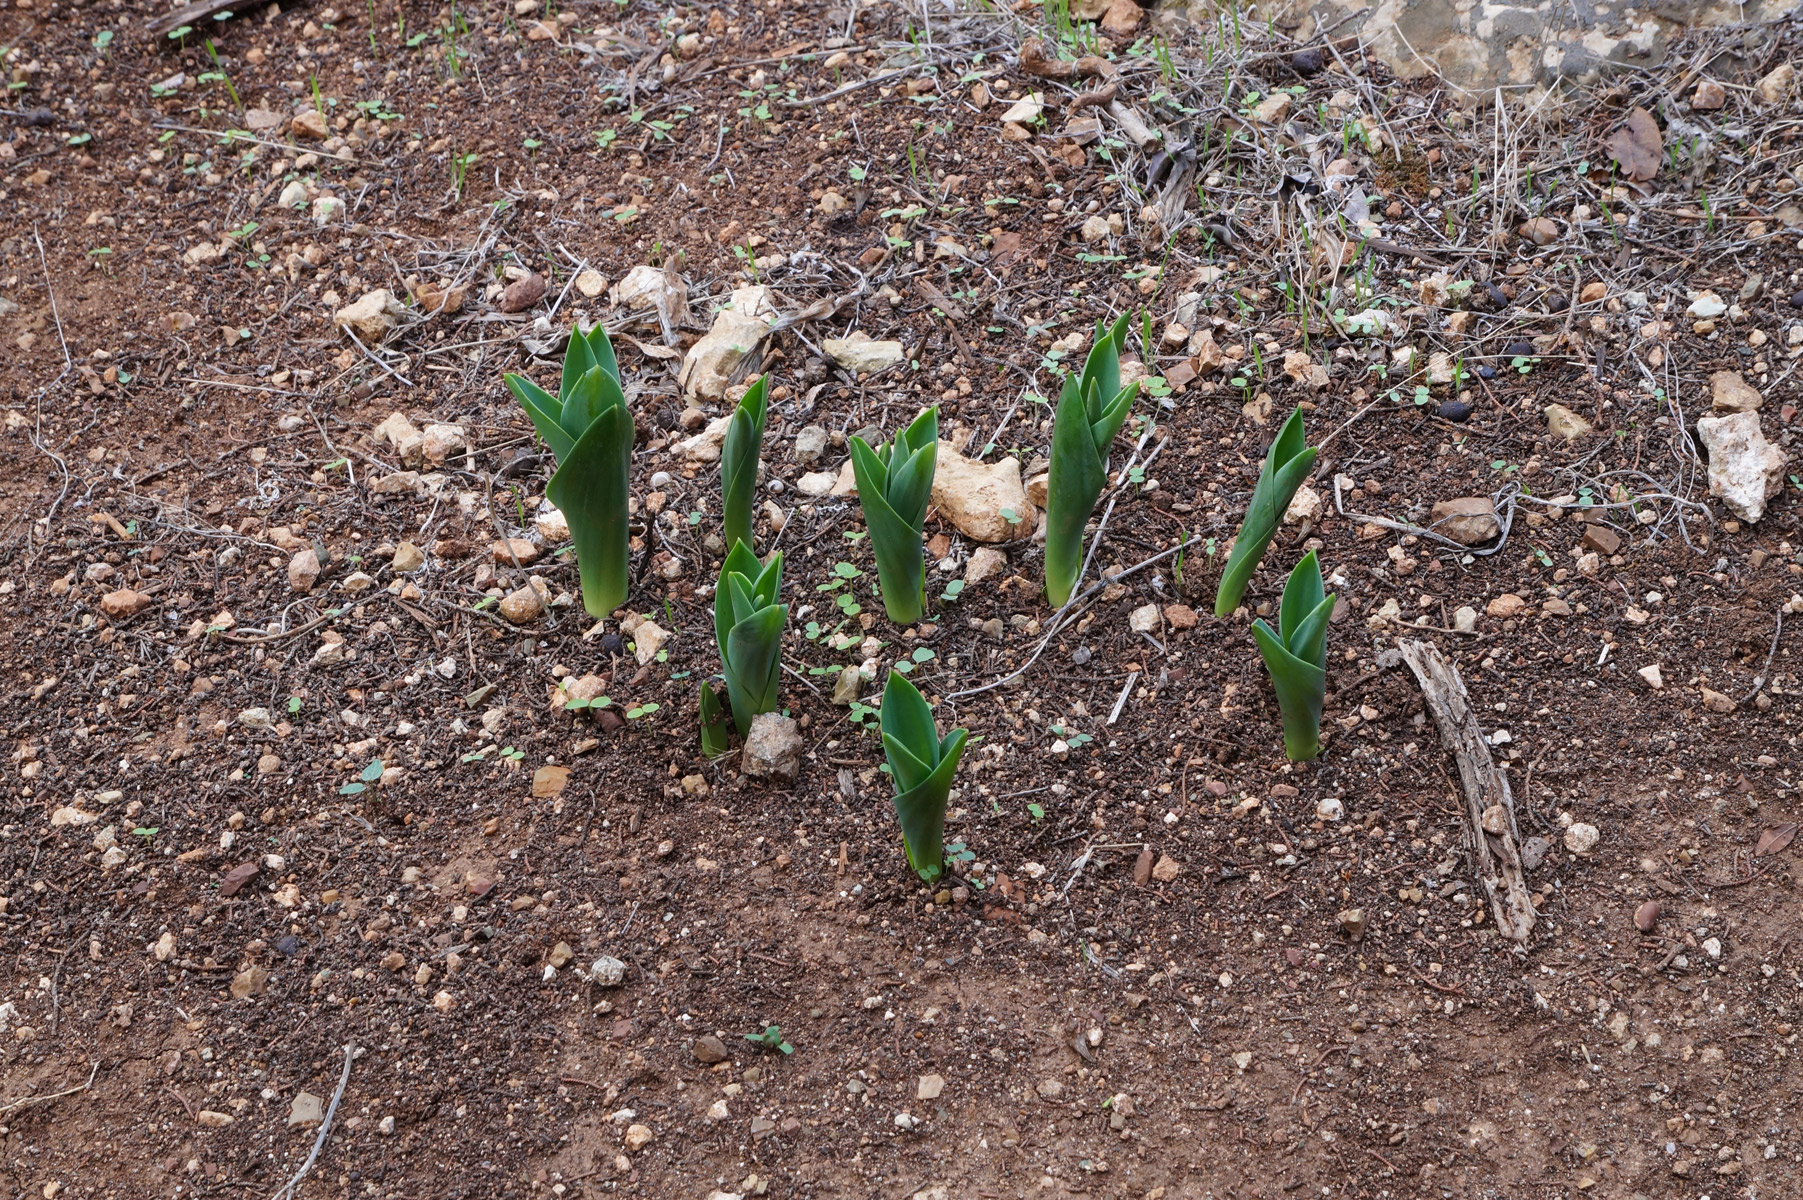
<point x="739" y="464"/>
<point x="1090" y="412"/>
<point x="1295" y="654"/>
<point x="748" y="627"/>
<point x="894" y="483"/>
<point x="588" y="427"/>
<point x="921" y="764"/>
<point x="1287" y="464"/>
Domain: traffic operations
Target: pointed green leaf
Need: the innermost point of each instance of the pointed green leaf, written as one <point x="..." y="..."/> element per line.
<point x="1301" y="595"/>
<point x="908" y="718"/>
<point x="911" y="485"/>
<point x="590" y="488"/>
<point x="907" y="768"/>
<point x="744" y="600"/>
<point x="869" y="470"/>
<point x="601" y="350"/>
<point x="770" y="580"/>
<point x="1300" y="687"/>
<point x="595" y="393"/>
<point x="1073" y="483"/>
<point x="1114" y="414"/>
<point x="922" y="431"/>
<point x="578" y="360"/>
<point x="894" y="486"/>
<point x="1309" y="642"/>
<point x="754" y="664"/>
<point x="921" y="813"/>
<point x="739" y="464"/>
<point x="714" y="739"/>
<point x="739" y="561"/>
<point x="546" y="411"/>
<point x="1291" y="440"/>
<point x="1102" y="368"/>
<point x="1286" y="465"/>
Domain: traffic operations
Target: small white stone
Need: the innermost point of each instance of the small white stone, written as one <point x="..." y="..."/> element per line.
<point x="1580" y="838"/>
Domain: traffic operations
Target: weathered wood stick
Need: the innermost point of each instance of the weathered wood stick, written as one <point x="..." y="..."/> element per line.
<point x="1488" y="801"/>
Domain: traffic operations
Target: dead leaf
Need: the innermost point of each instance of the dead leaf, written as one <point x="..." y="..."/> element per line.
<point x="1637" y="146"/>
<point x="653" y="351"/>
<point x="1775" y="839"/>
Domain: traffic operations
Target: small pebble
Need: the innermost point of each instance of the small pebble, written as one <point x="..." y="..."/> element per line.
<point x="1647" y="916"/>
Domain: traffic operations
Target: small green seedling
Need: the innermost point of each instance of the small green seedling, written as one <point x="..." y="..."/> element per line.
<point x="370" y="774"/>
<point x="771" y="1039"/>
<point x="739" y="464"/>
